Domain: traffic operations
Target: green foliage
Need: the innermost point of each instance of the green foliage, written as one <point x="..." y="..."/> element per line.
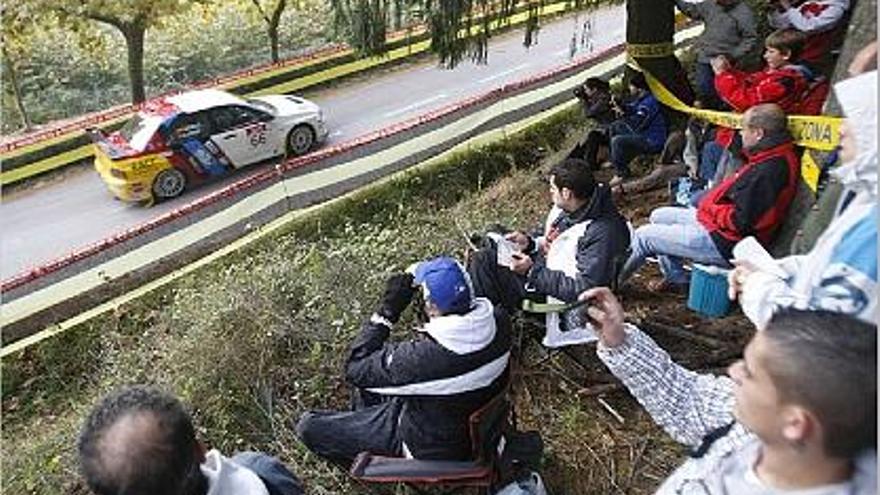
<point x="62" y="77"/>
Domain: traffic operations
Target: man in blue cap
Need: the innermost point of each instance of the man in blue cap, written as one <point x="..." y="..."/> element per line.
<point x="414" y="397"/>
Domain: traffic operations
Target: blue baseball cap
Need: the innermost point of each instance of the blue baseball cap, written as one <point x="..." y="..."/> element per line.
<point x="447" y="285"/>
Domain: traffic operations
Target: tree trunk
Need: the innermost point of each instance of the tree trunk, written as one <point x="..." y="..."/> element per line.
<point x="16" y="90"/>
<point x="134" y="42"/>
<point x="273" y="41"/>
<point x="652" y="22"/>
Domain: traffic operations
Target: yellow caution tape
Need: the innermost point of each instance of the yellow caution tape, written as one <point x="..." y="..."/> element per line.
<point x="816" y="132"/>
<point x="650" y="50"/>
<point x="810" y="170"/>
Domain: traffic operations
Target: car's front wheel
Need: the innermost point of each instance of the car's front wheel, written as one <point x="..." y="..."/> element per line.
<point x="170" y="183"/>
<point x="300" y="140"/>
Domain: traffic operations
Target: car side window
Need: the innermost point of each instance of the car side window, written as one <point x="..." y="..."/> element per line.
<point x="234" y="116"/>
<point x="190" y="125"/>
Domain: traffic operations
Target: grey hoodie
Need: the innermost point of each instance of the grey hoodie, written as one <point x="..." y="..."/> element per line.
<point x="730" y="30"/>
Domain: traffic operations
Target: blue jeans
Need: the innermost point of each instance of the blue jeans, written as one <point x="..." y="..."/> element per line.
<point x="705" y="79"/>
<point x="673" y="235"/>
<point x="626" y="144"/>
<point x="275" y="476"/>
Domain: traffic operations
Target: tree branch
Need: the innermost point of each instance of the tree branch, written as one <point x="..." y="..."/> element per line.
<point x="261" y="11"/>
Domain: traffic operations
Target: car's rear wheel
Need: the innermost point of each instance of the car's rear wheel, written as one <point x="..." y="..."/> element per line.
<point x="300" y="140"/>
<point x="170" y="183"/>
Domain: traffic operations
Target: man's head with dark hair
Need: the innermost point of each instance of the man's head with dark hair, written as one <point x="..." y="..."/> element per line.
<point x="571" y="184"/>
<point x="809" y="381"/>
<point x="140" y="441"/>
<point x="597" y="84"/>
<point x="637" y="80"/>
<point x="784" y="46"/>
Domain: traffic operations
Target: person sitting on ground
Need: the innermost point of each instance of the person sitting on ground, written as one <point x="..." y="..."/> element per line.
<point x="641" y="130"/>
<point x="413" y="398"/>
<point x="840" y="272"/>
<point x="796" y="415"/>
<point x="584" y="239"/>
<point x="595" y="97"/>
<point x="730" y="29"/>
<point x="753" y="201"/>
<point x="824" y="23"/>
<point x="140" y="441"/>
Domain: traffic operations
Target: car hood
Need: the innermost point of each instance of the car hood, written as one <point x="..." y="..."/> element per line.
<point x="288" y="106"/>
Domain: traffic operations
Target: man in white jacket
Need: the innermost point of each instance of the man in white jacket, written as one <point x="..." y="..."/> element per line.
<point x="796" y="416"/>
<point x="141" y="441"/>
<point x="840" y="273"/>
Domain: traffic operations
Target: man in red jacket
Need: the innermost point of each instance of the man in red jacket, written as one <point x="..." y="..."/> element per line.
<point x="751" y="202"/>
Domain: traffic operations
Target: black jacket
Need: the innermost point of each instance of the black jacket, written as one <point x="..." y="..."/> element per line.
<point x="457" y="367"/>
<point x="605" y="241"/>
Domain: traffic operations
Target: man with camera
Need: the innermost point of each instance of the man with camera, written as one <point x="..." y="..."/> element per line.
<point x="413" y="398"/>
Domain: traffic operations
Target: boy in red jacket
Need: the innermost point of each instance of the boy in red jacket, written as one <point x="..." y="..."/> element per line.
<point x="751" y="202"/>
<point x="782" y="82"/>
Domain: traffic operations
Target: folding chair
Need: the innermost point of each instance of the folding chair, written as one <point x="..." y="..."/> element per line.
<point x="487" y="426"/>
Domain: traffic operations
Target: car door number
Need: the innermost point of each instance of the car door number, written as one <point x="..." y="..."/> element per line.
<point x="256" y="134"/>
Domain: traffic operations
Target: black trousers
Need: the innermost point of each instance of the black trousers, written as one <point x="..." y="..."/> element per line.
<point x="499" y="284"/>
<point x="588" y="149"/>
<point x="340" y="436"/>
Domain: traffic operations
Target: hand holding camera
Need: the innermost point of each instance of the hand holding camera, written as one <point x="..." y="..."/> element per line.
<point x="399" y="292"/>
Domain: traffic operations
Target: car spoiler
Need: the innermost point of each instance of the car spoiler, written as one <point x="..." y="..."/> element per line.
<point x="112" y="146"/>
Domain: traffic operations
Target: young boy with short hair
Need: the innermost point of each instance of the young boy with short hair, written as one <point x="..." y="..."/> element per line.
<point x="783" y="81"/>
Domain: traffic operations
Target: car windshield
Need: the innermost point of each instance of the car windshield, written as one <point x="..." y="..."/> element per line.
<point x="139" y="130"/>
<point x="262" y="105"/>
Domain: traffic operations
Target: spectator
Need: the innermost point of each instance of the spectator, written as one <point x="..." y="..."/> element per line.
<point x="824" y="23"/>
<point x="840" y="272"/>
<point x="414" y="398"/>
<point x="782" y="82"/>
<point x="730" y="30"/>
<point x="752" y="201"/>
<point x="584" y="238"/>
<point x="595" y="97"/>
<point x="641" y="130"/>
<point x="140" y="441"/>
<point x="798" y="414"/>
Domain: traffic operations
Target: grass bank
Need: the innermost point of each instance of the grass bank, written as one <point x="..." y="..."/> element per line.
<point x="251" y="341"/>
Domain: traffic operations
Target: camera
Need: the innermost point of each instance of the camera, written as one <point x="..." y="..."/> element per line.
<point x="580" y="91"/>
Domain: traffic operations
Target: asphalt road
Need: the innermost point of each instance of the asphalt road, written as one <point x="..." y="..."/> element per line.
<point x="56" y="217"/>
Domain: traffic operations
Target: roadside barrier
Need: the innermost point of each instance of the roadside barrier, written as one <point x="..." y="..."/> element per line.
<point x="65" y="144"/>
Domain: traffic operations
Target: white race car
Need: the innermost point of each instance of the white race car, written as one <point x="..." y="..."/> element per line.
<point x="187" y="138"/>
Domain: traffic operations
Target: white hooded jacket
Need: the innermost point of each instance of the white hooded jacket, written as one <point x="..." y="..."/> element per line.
<point x="840" y="273"/>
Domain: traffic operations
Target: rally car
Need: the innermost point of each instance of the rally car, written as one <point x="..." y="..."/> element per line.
<point x="185" y="139"/>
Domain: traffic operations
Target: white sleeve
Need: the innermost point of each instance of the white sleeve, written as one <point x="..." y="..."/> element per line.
<point x="826" y="19"/>
<point x="687" y="405"/>
<point x="762" y="293"/>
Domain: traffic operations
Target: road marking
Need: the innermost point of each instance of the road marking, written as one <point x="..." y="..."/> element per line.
<point x="502" y="74"/>
<point x="415" y="105"/>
